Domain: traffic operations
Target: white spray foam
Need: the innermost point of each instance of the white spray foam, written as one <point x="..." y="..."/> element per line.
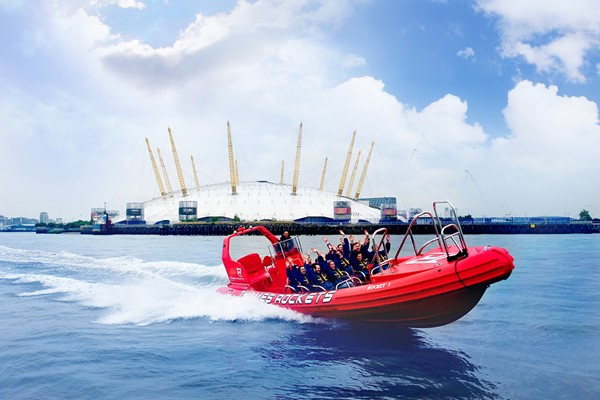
<point x="146" y="293"/>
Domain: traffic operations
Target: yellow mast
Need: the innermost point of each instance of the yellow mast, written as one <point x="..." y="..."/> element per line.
<point x="155" y="168"/>
<point x="297" y="163"/>
<point x="323" y="176"/>
<point x="281" y="179"/>
<point x="195" y="174"/>
<point x="237" y="174"/>
<point x="177" y="165"/>
<point x="231" y="165"/>
<point x="364" y="172"/>
<point x="346" y="165"/>
<point x="351" y="183"/>
<point x="164" y="170"/>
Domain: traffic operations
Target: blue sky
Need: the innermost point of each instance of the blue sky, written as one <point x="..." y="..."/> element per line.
<point x="490" y="104"/>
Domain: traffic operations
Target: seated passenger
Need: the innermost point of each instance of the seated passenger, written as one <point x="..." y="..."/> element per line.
<point x="330" y="249"/>
<point x="361" y="267"/>
<point x="320" y="279"/>
<point x="344" y="264"/>
<point x="290" y="273"/>
<point x="338" y="277"/>
<point x="303" y="280"/>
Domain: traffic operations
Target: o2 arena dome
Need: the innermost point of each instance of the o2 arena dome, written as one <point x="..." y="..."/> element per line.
<point x="258" y="200"/>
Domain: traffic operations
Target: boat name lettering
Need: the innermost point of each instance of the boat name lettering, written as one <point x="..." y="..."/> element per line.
<point x="379" y="286"/>
<point x="296" y="298"/>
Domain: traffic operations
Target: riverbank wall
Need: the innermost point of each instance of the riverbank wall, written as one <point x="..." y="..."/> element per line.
<point x="223" y="229"/>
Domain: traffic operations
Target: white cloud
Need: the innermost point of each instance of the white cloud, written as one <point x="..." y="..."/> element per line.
<point x="84" y="122"/>
<point x="466" y="53"/>
<point x="555" y="36"/>
<point x="120" y="3"/>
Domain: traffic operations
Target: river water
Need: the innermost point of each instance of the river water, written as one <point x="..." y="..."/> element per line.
<point x="138" y="317"/>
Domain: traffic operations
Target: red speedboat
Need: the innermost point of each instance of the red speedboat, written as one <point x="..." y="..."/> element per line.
<point x="438" y="283"/>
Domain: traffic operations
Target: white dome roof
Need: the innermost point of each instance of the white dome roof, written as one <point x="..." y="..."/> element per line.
<point x="255" y="201"/>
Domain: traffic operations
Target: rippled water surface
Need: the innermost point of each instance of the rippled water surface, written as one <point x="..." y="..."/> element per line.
<point x="138" y="317"/>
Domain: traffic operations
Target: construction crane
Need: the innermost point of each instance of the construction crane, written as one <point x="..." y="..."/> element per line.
<point x="161" y="188"/>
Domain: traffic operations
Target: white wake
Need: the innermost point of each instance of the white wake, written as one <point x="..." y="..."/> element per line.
<point x="128" y="290"/>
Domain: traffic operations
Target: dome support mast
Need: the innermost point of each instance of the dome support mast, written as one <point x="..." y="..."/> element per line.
<point x="164" y="170"/>
<point x="231" y="162"/>
<point x="346" y="165"/>
<point x="195" y="174"/>
<point x="161" y="188"/>
<point x="323" y="176"/>
<point x="297" y="163"/>
<point x="364" y="172"/>
<point x="351" y="183"/>
<point x="178" y="165"/>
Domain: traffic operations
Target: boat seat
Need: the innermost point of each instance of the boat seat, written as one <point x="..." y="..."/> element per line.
<point x="267" y="261"/>
<point x="256" y="271"/>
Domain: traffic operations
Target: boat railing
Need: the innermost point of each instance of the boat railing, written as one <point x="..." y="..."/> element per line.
<point x="381" y="249"/>
<point x="447" y="237"/>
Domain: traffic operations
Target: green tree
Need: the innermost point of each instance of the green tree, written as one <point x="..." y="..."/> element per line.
<point x="584" y="215"/>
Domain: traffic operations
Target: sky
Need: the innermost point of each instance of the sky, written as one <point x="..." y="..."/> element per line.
<point x="491" y="104"/>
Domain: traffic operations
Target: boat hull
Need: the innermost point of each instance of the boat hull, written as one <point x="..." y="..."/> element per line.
<point x="424" y="312"/>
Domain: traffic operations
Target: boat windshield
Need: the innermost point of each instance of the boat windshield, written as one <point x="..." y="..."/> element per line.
<point x="285" y="248"/>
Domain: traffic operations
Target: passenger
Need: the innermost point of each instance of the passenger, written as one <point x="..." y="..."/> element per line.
<point x="320" y="279"/>
<point x="343" y="263"/>
<point x="303" y="280"/>
<point x="337" y="276"/>
<point x="361" y="267"/>
<point x="290" y="273"/>
<point x="334" y="274"/>
<point x="381" y="256"/>
<point x="286" y="243"/>
<point x="330" y="250"/>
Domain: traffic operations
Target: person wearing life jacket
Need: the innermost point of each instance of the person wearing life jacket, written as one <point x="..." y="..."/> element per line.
<point x="337" y="276"/>
<point x="330" y="255"/>
<point x="343" y="263"/>
<point x="302" y="278"/>
<point x="320" y="279"/>
<point x="290" y="273"/>
<point x="361" y="266"/>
